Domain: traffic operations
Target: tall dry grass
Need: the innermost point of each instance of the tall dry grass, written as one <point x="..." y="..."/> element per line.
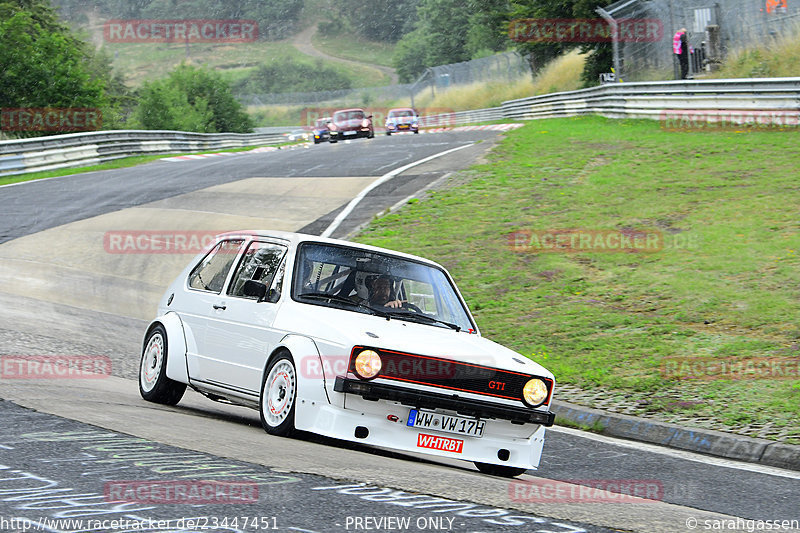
<point x="562" y="74"/>
<point x="777" y="58"/>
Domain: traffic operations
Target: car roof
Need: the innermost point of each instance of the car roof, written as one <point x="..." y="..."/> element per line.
<point x="294" y="239"/>
<point x="403" y="109"/>
<point x="351" y="109"/>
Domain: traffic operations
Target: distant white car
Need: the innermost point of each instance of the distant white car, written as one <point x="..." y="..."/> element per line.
<point x="349" y="341"/>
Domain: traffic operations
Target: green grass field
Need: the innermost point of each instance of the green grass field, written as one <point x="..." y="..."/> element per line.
<point x="724" y="287"/>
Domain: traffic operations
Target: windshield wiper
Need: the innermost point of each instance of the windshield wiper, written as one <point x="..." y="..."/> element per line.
<point x="412" y="315"/>
<point x="344" y="300"/>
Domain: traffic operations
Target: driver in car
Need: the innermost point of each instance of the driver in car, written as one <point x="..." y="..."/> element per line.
<point x="380" y="293"/>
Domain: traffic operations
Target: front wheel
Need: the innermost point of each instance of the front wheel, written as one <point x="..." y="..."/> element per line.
<point x="278" y="396"/>
<point x="499" y="470"/>
<point x="154" y="385"/>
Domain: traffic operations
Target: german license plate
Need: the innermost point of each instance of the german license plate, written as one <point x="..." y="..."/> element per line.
<point x="350" y="132"/>
<point x="460" y="425"/>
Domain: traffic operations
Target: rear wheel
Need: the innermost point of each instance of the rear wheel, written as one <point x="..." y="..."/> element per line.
<point x="279" y="396"/>
<point x="154" y="385"/>
<point x="500" y="470"/>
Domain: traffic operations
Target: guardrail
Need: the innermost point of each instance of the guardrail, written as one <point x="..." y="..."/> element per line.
<point x="647" y="100"/>
<point x="653" y="99"/>
<point x="22" y="156"/>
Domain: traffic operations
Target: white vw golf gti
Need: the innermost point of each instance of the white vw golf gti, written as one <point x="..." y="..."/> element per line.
<point x="349" y="341"/>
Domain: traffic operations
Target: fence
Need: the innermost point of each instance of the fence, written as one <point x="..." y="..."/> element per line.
<point x="740" y="23"/>
<point x="499" y="67"/>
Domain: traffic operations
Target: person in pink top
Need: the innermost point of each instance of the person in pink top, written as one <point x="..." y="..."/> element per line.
<point x="680" y="47"/>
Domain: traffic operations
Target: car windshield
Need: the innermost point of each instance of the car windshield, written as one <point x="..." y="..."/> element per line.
<point x="402" y="113"/>
<point x="363" y="281"/>
<point x="348" y="115"/>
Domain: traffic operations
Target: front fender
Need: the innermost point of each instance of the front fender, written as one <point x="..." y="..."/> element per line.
<point x="176" y="346"/>
<point x="311" y="393"/>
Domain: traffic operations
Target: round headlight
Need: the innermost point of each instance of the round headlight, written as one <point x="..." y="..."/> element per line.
<point x="534" y="392"/>
<point x="368" y="364"/>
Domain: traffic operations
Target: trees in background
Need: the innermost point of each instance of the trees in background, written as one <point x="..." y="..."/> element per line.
<point x="190" y="99"/>
<point x="449" y="31"/>
<point x="43" y="64"/>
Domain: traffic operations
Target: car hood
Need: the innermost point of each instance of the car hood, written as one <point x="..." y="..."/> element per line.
<point x="346" y="329"/>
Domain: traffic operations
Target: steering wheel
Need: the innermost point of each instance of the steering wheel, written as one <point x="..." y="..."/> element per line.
<point x="409" y="305"/>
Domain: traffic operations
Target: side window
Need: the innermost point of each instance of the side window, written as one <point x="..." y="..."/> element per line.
<point x="210" y="274"/>
<point x="260" y="263"/>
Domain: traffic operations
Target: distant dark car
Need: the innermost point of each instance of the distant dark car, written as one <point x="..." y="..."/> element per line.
<point x="321" y="132"/>
<point x="402" y="119"/>
<point x="350" y="124"/>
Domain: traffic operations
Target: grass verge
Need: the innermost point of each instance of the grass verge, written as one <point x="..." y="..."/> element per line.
<point x="724" y="286"/>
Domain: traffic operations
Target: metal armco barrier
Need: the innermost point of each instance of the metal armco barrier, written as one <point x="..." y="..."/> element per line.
<point x="648" y="100"/>
<point x="81" y="149"/>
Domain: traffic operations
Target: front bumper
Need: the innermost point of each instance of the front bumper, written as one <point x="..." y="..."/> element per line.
<point x="452" y="402"/>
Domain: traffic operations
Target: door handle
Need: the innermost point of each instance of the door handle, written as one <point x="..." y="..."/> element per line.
<point x="220" y="307"/>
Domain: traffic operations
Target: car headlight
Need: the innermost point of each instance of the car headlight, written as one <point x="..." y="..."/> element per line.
<point x="332" y="127"/>
<point x="365" y="123"/>
<point x="535" y="392"/>
<point x="368" y="364"/>
<point x="390" y="124"/>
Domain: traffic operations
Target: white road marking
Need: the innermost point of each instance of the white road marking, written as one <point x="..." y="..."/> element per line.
<point x="680" y="454"/>
<point x="386" y="177"/>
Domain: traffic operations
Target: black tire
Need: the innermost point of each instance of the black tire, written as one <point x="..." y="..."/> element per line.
<point x="154" y="385"/>
<point x="388" y="133"/>
<point x="499" y="470"/>
<point x="279" y="396"/>
<point x="416" y="132"/>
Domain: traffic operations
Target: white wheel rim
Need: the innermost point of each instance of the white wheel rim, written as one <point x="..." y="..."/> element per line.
<point x="152" y="360"/>
<point x="279" y="392"/>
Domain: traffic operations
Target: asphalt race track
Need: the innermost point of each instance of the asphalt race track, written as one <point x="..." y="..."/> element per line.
<point x="68" y="288"/>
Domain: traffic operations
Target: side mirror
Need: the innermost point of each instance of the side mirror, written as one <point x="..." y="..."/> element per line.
<point x="254" y="288"/>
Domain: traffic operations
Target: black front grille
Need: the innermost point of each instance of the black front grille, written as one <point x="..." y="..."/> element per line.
<point x="430" y="400"/>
